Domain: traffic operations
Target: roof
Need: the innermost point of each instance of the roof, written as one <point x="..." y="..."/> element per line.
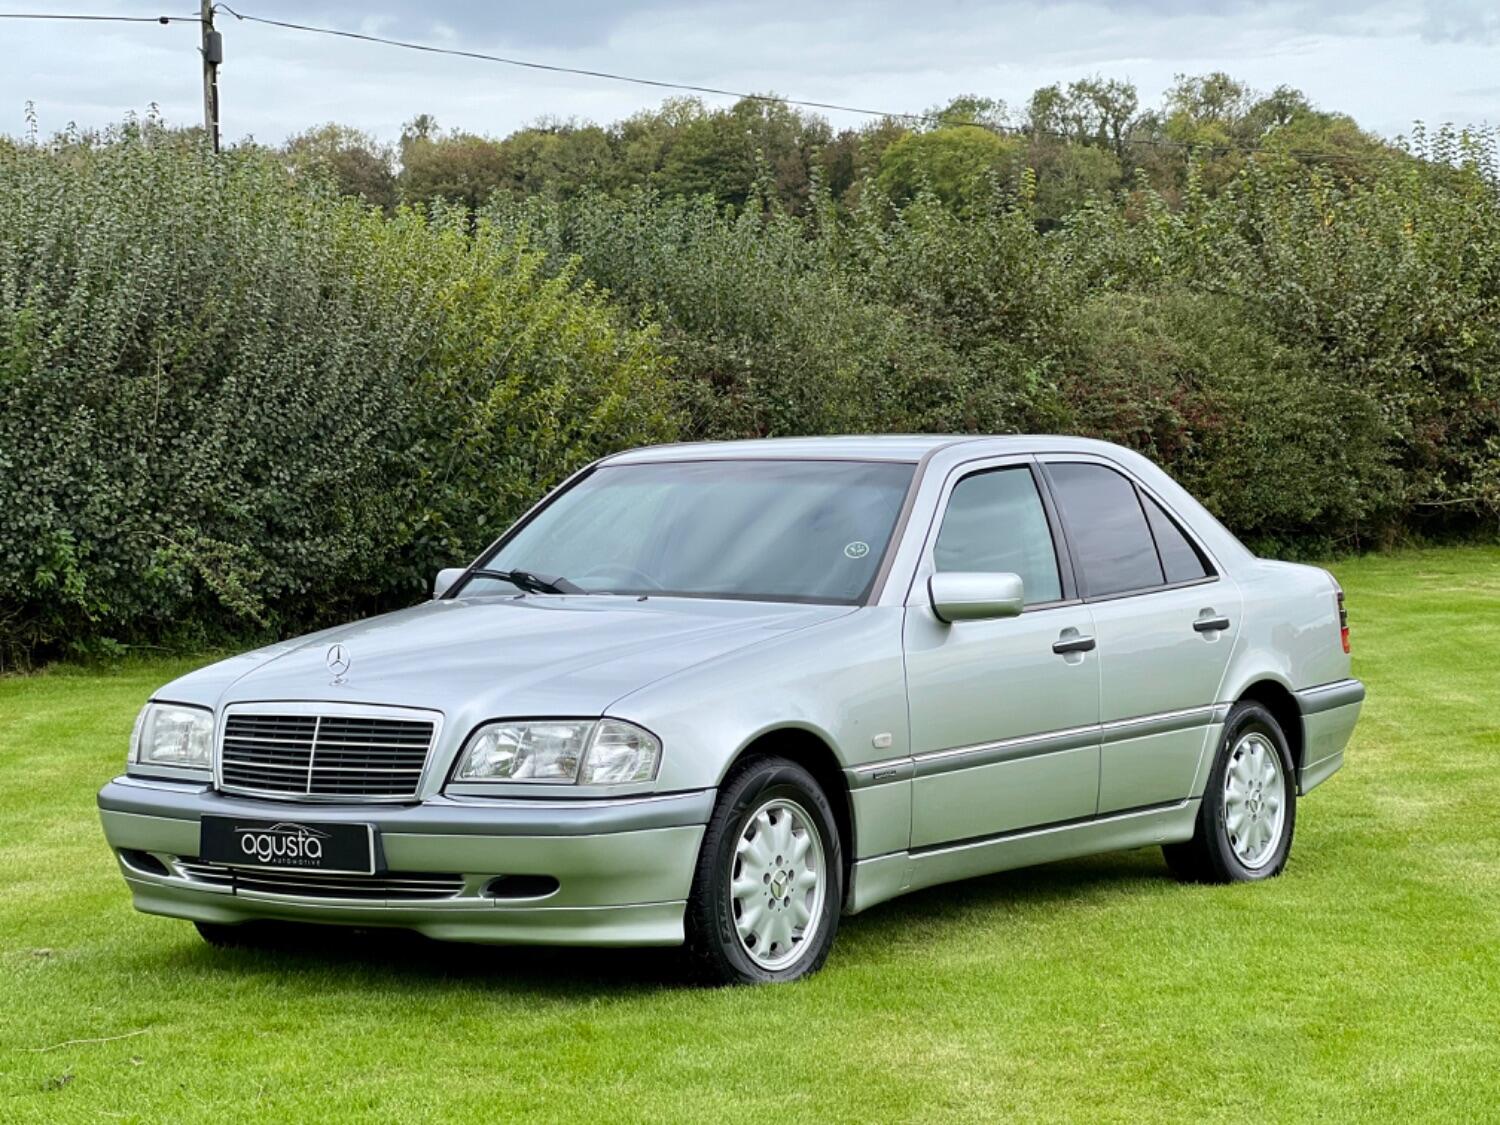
<point x="852" y="447"/>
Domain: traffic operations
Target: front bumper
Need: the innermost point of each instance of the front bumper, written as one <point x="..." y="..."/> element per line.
<point x="623" y="867"/>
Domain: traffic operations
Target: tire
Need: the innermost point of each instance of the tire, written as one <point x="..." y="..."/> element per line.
<point x="772" y="829"/>
<point x="1249" y="809"/>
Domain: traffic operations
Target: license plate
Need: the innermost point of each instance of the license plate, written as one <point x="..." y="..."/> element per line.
<point x="288" y="845"/>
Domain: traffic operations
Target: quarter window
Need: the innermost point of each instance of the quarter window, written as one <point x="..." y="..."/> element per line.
<point x="995" y="522"/>
<point x="1179" y="558"/>
<point x="1107" y="528"/>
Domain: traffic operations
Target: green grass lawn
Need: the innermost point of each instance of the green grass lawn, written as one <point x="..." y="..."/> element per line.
<point x="1363" y="984"/>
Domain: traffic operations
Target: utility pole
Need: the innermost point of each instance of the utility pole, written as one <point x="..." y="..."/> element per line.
<point x="213" y="54"/>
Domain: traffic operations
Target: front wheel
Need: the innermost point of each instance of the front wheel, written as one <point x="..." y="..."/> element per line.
<point x="769" y="883"/>
<point x="1249" y="807"/>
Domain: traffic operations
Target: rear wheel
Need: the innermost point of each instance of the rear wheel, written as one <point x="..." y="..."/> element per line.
<point x="769" y="883"/>
<point x="1249" y="807"/>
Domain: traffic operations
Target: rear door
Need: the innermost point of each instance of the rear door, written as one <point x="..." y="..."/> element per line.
<point x="1003" y="728"/>
<point x="1165" y="622"/>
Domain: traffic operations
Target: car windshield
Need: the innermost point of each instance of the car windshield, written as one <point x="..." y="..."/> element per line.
<point x="805" y="531"/>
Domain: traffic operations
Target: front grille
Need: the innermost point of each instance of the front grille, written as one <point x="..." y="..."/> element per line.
<point x="407" y="886"/>
<point x="328" y="756"/>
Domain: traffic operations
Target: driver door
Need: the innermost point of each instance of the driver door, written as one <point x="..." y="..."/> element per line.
<point x="1004" y="728"/>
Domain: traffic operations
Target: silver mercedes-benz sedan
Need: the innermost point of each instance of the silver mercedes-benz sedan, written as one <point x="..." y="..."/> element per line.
<point x="720" y="695"/>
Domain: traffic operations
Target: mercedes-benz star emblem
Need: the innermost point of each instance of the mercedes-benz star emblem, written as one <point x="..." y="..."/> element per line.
<point x="338" y="662"/>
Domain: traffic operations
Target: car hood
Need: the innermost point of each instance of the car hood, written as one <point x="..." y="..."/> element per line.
<point x="500" y="656"/>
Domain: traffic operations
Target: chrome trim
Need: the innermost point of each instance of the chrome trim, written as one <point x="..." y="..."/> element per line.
<point x="203" y="775"/>
<point x="477" y="802"/>
<point x="886" y="772"/>
<point x="166" y="785"/>
<point x="1143" y="591"/>
<point x="321" y="709"/>
<point x="1056" y="741"/>
<point x="292" y="884"/>
<point x="1163" y="722"/>
<point x="1006" y="750"/>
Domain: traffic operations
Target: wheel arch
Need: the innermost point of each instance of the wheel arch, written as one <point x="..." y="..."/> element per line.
<point x="814" y="752"/>
<point x="1278" y="699"/>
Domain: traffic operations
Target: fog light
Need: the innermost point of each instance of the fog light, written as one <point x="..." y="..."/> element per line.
<point x="521" y="886"/>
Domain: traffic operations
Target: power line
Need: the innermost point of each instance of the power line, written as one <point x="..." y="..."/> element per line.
<point x="554" y="68"/>
<point x="97" y="19"/>
<point x="212" y="50"/>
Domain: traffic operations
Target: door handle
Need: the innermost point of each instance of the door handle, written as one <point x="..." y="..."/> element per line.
<point x="1211" y="624"/>
<point x="1073" y="644"/>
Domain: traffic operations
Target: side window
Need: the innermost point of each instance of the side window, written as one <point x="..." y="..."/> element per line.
<point x="1107" y="529"/>
<point x="1179" y="558"/>
<point x="995" y="522"/>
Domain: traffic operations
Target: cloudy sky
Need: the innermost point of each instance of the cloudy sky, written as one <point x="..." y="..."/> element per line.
<point x="1386" y="63"/>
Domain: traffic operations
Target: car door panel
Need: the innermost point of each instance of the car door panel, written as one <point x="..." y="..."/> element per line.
<point x="1159" y="681"/>
<point x="995" y="716"/>
<point x="1165" y="625"/>
<point x="1003" y="728"/>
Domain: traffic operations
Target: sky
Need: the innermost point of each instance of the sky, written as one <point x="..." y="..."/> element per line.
<point x="1387" y="64"/>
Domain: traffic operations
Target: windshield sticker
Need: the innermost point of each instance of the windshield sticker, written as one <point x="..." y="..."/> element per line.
<point x="857" y="550"/>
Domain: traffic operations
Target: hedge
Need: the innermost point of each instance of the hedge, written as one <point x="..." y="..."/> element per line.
<point x="234" y="402"/>
<point x="230" y="403"/>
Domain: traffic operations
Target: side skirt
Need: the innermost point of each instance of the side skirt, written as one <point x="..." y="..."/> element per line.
<point x="884" y="877"/>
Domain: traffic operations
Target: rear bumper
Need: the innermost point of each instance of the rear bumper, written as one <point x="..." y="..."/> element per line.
<point x="1329" y="713"/>
<point x="623" y="868"/>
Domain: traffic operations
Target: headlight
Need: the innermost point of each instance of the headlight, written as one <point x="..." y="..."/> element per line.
<point x="170" y="734"/>
<point x="564" y="751"/>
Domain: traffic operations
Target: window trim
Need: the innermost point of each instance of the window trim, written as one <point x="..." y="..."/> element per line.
<point x="1062" y="554"/>
<point x="1215" y="571"/>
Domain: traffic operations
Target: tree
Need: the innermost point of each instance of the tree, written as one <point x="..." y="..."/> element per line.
<point x="957" y="163"/>
<point x="460" y="167"/>
<point x="357" y="164"/>
<point x="1090" y="111"/>
<point x="972" y="109"/>
<point x="727" y="153"/>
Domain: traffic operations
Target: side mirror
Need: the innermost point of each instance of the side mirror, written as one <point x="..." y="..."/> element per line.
<point x="445" y="578"/>
<point x="975" y="596"/>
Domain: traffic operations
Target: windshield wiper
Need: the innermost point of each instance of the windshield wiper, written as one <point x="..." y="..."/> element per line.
<point x="531" y="583"/>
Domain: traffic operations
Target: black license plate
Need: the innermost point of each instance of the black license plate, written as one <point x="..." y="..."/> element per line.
<point x="288" y="845"/>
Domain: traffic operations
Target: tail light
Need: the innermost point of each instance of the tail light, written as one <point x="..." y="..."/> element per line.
<point x="1343" y="621"/>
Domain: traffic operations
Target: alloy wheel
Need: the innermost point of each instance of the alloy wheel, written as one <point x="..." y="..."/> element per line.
<point x="1254" y="800"/>
<point x="777" y="884"/>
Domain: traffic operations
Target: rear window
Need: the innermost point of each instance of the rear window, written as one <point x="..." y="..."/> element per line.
<point x="1180" y="560"/>
<point x="1107" y="528"/>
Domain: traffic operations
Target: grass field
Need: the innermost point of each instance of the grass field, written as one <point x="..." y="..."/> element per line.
<point x="1364" y="984"/>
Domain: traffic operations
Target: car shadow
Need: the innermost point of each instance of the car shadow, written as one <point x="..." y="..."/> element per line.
<point x="336" y="957"/>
